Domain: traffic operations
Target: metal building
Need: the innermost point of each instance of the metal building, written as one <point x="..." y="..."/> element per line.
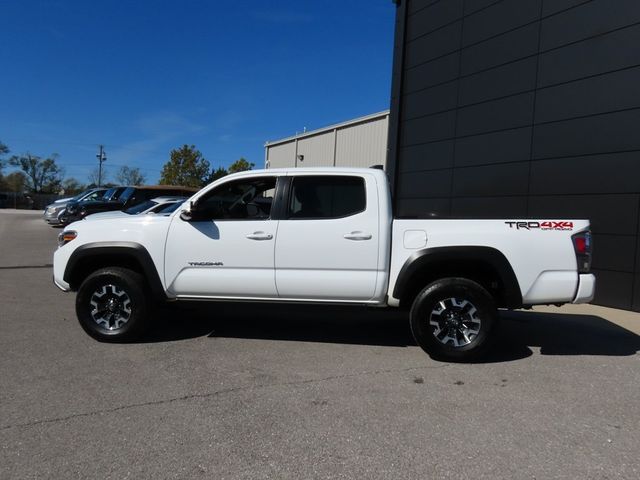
<point x="361" y="142"/>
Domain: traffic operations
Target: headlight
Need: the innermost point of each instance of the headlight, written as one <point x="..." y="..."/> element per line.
<point x="72" y="208"/>
<point x="66" y="236"/>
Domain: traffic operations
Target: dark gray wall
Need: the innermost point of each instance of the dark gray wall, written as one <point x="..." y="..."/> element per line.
<point x="523" y="108"/>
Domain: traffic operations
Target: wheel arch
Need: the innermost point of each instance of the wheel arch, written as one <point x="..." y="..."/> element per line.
<point x="90" y="257"/>
<point x="485" y="265"/>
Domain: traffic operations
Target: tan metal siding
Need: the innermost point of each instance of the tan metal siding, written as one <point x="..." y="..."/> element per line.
<point x="361" y="142"/>
<point x="362" y="145"/>
<point x="317" y="150"/>
<point x="282" y="155"/>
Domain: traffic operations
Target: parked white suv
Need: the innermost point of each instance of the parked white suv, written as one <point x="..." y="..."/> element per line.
<point x="322" y="235"/>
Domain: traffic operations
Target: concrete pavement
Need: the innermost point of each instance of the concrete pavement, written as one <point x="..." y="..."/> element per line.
<point x="263" y="391"/>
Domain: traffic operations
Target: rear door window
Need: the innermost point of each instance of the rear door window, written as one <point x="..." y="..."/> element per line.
<point x="326" y="196"/>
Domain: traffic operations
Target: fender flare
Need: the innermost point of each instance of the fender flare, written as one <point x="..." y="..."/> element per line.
<point x="422" y="259"/>
<point x="123" y="249"/>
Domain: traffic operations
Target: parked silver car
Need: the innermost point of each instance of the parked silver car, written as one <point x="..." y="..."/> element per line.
<point x="53" y="210"/>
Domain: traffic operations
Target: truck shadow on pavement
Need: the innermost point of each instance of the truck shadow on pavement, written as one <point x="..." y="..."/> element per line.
<point x="553" y="333"/>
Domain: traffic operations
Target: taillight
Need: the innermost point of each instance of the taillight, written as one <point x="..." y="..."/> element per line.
<point x="583" y="246"/>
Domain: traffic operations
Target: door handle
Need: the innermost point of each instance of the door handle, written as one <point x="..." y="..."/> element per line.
<point x="259" y="236"/>
<point x="357" y="235"/>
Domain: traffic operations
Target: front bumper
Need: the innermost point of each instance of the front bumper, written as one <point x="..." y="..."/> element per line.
<point x="60" y="259"/>
<point x="62" y="285"/>
<point x="51" y="218"/>
<point x="586" y="288"/>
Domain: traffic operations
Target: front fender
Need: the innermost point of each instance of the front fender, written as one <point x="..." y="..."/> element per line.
<point x="119" y="252"/>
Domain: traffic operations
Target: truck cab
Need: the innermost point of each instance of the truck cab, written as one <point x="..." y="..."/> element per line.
<point x="274" y="235"/>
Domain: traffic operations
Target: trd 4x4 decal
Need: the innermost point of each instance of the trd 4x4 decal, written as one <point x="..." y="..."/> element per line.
<point x="546" y="225"/>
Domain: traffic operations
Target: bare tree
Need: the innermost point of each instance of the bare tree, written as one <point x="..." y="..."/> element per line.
<point x="43" y="175"/>
<point x="94" y="175"/>
<point x="130" y="176"/>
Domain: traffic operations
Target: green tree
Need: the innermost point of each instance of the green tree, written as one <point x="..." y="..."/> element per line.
<point x="72" y="186"/>
<point x="186" y="167"/>
<point x="16" y="181"/>
<point x="43" y="175"/>
<point x="216" y="174"/>
<point x="240" y="166"/>
<point x="130" y="176"/>
<point x="3" y="151"/>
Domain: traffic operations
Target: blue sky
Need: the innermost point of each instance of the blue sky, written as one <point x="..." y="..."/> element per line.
<point x="142" y="77"/>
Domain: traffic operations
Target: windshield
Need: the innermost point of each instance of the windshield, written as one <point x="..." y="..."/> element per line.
<point x="170" y="208"/>
<point x="91" y="195"/>
<point x="126" y="194"/>
<point x="108" y="194"/>
<point x="141" y="207"/>
<point x="81" y="195"/>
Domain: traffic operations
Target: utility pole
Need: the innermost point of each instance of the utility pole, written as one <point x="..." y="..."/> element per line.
<point x="102" y="157"/>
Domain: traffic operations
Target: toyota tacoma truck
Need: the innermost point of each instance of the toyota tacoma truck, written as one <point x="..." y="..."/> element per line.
<point x="322" y="235"/>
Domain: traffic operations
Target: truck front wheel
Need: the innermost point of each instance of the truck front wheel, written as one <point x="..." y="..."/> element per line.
<point x="454" y="319"/>
<point x="111" y="305"/>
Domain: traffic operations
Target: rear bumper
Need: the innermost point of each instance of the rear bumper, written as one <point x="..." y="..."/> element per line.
<point x="586" y="288"/>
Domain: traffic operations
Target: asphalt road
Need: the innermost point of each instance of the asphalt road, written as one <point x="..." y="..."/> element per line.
<point x="231" y="391"/>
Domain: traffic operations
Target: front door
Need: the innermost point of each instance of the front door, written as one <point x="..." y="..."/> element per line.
<point x="227" y="249"/>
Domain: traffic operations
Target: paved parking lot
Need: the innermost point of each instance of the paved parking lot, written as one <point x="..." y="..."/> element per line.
<point x="261" y="391"/>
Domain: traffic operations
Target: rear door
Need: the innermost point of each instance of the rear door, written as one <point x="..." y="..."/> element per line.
<point x="328" y="238"/>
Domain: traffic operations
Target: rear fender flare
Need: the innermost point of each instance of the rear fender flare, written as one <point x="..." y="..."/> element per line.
<point x="422" y="260"/>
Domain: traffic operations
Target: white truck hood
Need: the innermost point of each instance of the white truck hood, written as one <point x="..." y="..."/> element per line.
<point x="104" y="215"/>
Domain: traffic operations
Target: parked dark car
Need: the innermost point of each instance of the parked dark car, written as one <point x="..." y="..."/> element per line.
<point x="70" y="213"/>
<point x="124" y="198"/>
<point x="53" y="211"/>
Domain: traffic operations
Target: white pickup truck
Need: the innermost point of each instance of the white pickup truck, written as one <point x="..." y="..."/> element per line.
<point x="322" y="235"/>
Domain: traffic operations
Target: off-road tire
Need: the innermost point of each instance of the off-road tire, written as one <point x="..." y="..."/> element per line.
<point x="104" y="288"/>
<point x="454" y="319"/>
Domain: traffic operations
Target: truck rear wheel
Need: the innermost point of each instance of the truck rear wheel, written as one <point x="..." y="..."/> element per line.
<point x="111" y="305"/>
<point x="454" y="319"/>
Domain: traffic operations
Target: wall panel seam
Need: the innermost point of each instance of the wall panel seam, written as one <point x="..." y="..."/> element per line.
<point x="533" y="113"/>
<point x="558" y="47"/>
<point x="551" y="85"/>
<point x="549" y="122"/>
<point x="448" y="24"/>
<point x="424" y="7"/>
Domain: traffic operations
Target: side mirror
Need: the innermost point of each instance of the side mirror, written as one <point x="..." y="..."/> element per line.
<point x="192" y="214"/>
<point x="187" y="214"/>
